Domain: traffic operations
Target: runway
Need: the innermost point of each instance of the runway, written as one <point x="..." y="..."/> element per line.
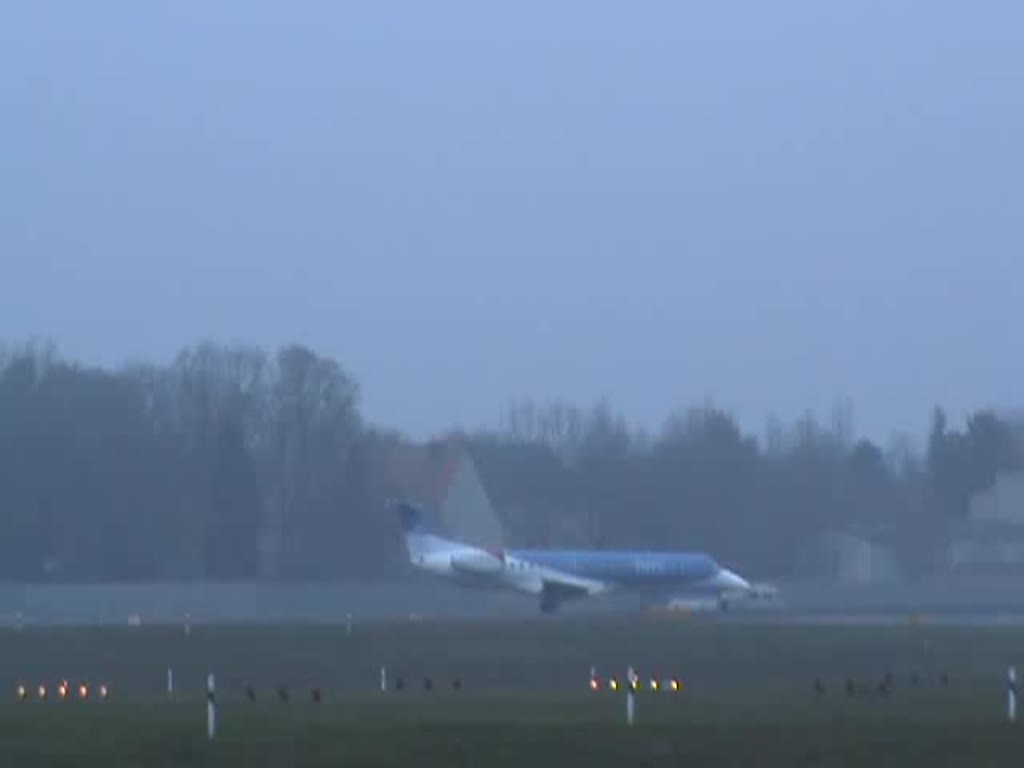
<point x="417" y="600"/>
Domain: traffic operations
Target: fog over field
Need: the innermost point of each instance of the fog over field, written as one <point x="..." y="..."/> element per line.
<point x="738" y="278"/>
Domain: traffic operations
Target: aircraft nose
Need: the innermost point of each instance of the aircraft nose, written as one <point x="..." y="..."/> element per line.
<point x="726" y="579"/>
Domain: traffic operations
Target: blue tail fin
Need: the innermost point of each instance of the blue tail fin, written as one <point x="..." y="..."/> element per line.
<point x="414" y="518"/>
<point x="419" y="529"/>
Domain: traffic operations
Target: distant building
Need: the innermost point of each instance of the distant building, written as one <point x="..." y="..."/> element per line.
<point x="993" y="534"/>
<point x="1003" y="503"/>
<point x="534" y="495"/>
<point x="443" y="477"/>
<point x="466" y="508"/>
<point x="488" y="492"/>
<point x="856" y="557"/>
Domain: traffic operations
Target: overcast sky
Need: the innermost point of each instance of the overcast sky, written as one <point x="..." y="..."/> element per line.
<point x="772" y="205"/>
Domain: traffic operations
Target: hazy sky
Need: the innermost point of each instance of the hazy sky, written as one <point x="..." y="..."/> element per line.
<point x="769" y="204"/>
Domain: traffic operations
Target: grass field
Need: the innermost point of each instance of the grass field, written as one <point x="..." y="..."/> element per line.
<point x="753" y="694"/>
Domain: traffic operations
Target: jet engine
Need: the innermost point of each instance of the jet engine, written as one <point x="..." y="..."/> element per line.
<point x="477" y="562"/>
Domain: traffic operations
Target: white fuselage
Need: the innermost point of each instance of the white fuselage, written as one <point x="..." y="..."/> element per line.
<point x="475" y="567"/>
<point x="584" y="573"/>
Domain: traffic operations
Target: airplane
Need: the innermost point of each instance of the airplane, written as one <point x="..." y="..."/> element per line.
<point x="555" y="575"/>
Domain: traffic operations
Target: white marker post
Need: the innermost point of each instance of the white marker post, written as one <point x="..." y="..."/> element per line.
<point x="170" y="682"/>
<point x="631" y="684"/>
<point x="348" y="623"/>
<point x="1011" y="695"/>
<point x="383" y="679"/>
<point x="211" y="709"/>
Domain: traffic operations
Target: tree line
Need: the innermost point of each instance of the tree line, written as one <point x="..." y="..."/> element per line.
<point x="236" y="463"/>
<point x="763" y="503"/>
